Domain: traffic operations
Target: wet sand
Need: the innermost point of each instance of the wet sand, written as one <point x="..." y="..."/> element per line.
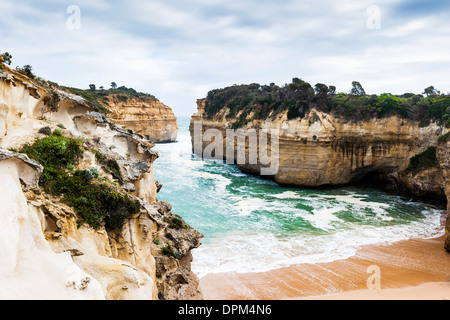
<point x="413" y="270"/>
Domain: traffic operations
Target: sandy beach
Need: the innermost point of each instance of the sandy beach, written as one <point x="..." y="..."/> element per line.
<point x="409" y="270"/>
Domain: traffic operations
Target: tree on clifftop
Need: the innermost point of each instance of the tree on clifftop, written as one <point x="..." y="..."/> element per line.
<point x="26" y="70"/>
<point x="113" y="85"/>
<point x="431" y="91"/>
<point x="7" y="57"/>
<point x="357" y="89"/>
<point x="321" y="89"/>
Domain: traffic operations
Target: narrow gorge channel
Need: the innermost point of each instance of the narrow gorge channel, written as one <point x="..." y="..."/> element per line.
<point x="254" y="225"/>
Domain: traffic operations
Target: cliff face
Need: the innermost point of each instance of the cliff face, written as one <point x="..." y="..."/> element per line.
<point x="444" y="160"/>
<point x="324" y="150"/>
<point x="47" y="251"/>
<point x="145" y="116"/>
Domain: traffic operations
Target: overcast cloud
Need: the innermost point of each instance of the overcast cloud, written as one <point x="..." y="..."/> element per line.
<point x="179" y="50"/>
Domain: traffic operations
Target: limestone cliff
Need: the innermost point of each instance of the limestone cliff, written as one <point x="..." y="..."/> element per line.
<point x="48" y="252"/>
<point x="144" y="115"/>
<point x="323" y="149"/>
<point x="444" y="160"/>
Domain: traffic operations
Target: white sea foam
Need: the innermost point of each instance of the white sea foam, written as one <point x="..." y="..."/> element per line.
<point x="286" y="195"/>
<point x="220" y="182"/>
<point x="324" y="218"/>
<point x="362" y="202"/>
<point x="355" y="202"/>
<point x="247" y="252"/>
<point x="249" y="205"/>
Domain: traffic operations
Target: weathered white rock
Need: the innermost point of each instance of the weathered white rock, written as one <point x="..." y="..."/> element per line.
<point x="29" y="268"/>
<point x="45" y="252"/>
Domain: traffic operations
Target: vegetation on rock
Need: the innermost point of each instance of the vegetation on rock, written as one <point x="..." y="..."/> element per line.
<point x="299" y="97"/>
<point x="26" y="70"/>
<point x="100" y="97"/>
<point x="444" y="138"/>
<point x="98" y="204"/>
<point x="7" y="58"/>
<point x="110" y="164"/>
<point x="425" y="160"/>
<point x="170" y="252"/>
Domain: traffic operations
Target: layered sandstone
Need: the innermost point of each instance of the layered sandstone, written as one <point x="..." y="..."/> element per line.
<point x="144" y="115"/>
<point x="322" y="150"/>
<point x="47" y="252"/>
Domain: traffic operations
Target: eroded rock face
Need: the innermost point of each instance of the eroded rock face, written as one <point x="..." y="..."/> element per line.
<point x="47" y="253"/>
<point x="29" y="268"/>
<point x="444" y="160"/>
<point x="145" y="116"/>
<point x="322" y="150"/>
<point x="175" y="279"/>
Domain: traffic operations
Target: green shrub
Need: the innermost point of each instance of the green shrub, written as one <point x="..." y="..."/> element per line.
<point x="96" y="203"/>
<point x="424" y="123"/>
<point x="177" y="223"/>
<point x="98" y="155"/>
<point x="295" y="113"/>
<point x="445" y="138"/>
<point x="26" y="70"/>
<point x="53" y="101"/>
<point x="122" y="98"/>
<point x="46" y="130"/>
<point x="170" y="252"/>
<point x="110" y="164"/>
<point x="54" y="153"/>
<point x="114" y="168"/>
<point x="388" y="103"/>
<point x="427" y="159"/>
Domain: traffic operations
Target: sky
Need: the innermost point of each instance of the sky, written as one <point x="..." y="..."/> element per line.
<point x="178" y="50"/>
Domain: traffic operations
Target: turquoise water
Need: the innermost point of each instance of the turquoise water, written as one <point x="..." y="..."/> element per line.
<point x="253" y="225"/>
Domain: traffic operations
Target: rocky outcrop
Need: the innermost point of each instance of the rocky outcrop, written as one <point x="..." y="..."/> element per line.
<point x="144" y="115"/>
<point x="48" y="252"/>
<point x="431" y="183"/>
<point x="444" y="160"/>
<point x="29" y="268"/>
<point x="322" y="150"/>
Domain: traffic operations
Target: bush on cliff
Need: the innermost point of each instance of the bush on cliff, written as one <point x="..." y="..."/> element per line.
<point x="7" y="58"/>
<point x="26" y="70"/>
<point x="96" y="203"/>
<point x="444" y="138"/>
<point x="425" y="160"/>
<point x="299" y="97"/>
<point x="99" y="98"/>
